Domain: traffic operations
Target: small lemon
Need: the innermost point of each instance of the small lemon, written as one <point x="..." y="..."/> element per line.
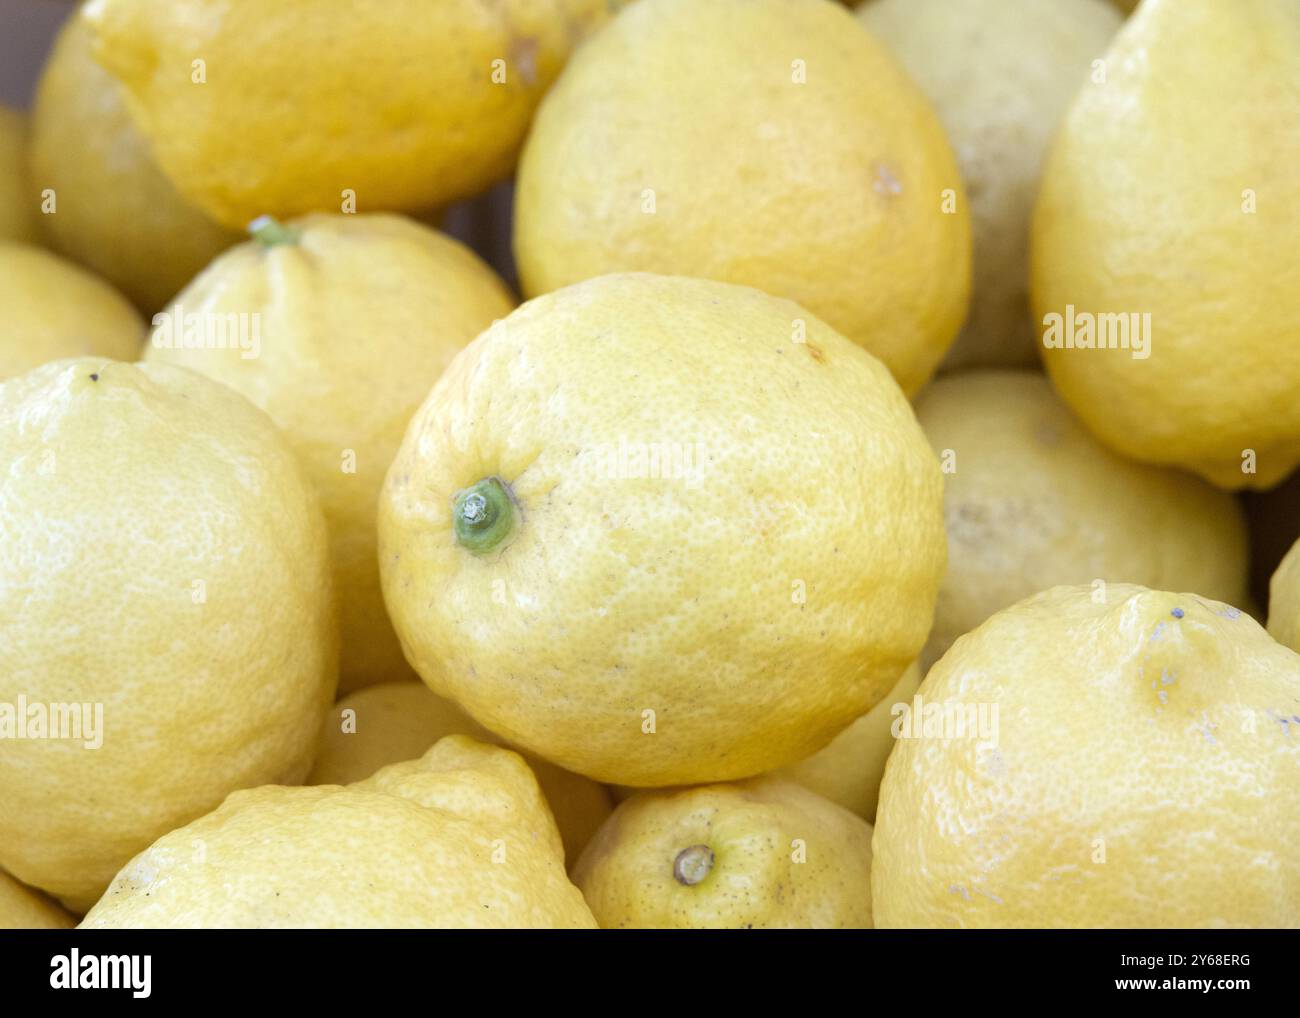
<point x="849" y="769"/>
<point x="17" y="199"/>
<point x="22" y="908"/>
<point x="772" y="143"/>
<point x="1284" y="600"/>
<point x="51" y="308"/>
<point x="300" y="106"/>
<point x="165" y="613"/>
<point x="1033" y="501"/>
<point x="1169" y="219"/>
<point x="459" y="838"/>
<point x="396" y="721"/>
<point x="1000" y="74"/>
<point x="349" y="321"/>
<point x="761" y="854"/>
<point x="115" y="212"/>
<point x="662" y="530"/>
<point x="1126" y="761"/>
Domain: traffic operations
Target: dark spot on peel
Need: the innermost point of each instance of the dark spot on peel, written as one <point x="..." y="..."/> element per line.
<point x="815" y="352"/>
<point x="1177" y="613"/>
<point x="94" y="377"/>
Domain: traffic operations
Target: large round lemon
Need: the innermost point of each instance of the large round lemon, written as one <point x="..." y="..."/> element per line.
<point x="761" y="854"/>
<point x="337" y="326"/>
<point x="663" y="530"/>
<point x="299" y="105"/>
<point x="1125" y="758"/>
<point x="1033" y="501"/>
<point x="166" y="627"/>
<point x="114" y="210"/>
<point x="396" y="721"/>
<point x="772" y="143"/>
<point x="459" y="838"/>
<point x="1168" y="228"/>
<point x="51" y="308"/>
<point x="1000" y="74"/>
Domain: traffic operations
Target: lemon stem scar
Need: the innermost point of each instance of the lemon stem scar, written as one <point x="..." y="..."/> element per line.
<point x="483" y="515"/>
<point x="269" y="231"/>
<point x="692" y="865"/>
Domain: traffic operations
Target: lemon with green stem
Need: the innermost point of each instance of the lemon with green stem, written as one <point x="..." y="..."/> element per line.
<point x="632" y="515"/>
<point x="356" y="317"/>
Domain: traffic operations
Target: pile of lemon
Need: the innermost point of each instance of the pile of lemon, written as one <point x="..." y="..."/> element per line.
<point x="751" y="572"/>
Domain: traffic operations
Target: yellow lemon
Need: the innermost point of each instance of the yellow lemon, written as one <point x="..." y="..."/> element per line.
<point x="761" y="854"/>
<point x="396" y="721"/>
<point x="17" y="198"/>
<point x="298" y="106"/>
<point x="772" y="143"/>
<point x="1284" y="600"/>
<point x="115" y="212"/>
<point x="459" y="838"/>
<point x="22" y="908"/>
<point x="849" y="769"/>
<point x="1000" y="73"/>
<point x="1166" y="242"/>
<point x="634" y="518"/>
<point x="337" y="326"/>
<point x="1084" y="762"/>
<point x="166" y="628"/>
<point x="1033" y="501"/>
<point x="50" y="309"/>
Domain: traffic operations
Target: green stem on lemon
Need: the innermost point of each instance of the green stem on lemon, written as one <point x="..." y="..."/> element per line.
<point x="692" y="865"/>
<point x="269" y="232"/>
<point x="483" y="515"/>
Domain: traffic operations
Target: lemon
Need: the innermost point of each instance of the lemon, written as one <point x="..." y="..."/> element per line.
<point x="344" y="323"/>
<point x="1172" y="193"/>
<point x="397" y="721"/>
<point x="849" y="769"/>
<point x="634" y="518"/>
<point x="115" y="212"/>
<point x="1127" y="759"/>
<point x="1000" y="73"/>
<point x="459" y="838"/>
<point x="17" y="199"/>
<point x="772" y="143"/>
<point x="761" y="854"/>
<point x="1284" y="600"/>
<point x="164" y="605"/>
<point x="51" y="308"/>
<point x="254" y="108"/>
<point x="21" y="908"/>
<point x="1033" y="501"/>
